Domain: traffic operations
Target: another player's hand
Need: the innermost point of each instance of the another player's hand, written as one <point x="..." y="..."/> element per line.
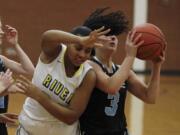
<point x="11" y="35"/>
<point x="13" y="89"/>
<point x="6" y="80"/>
<point x="9" y="118"/>
<point x="95" y="38"/>
<point x="132" y="43"/>
<point x="26" y="87"/>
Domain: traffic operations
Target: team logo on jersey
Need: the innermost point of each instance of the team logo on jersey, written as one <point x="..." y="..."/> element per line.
<point x="57" y="88"/>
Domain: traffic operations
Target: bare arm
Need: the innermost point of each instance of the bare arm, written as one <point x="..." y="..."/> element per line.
<point x="52" y="39"/>
<point x="147" y="93"/>
<point x="77" y="105"/>
<point x="9" y="118"/>
<point x="25" y="66"/>
<point x="112" y="84"/>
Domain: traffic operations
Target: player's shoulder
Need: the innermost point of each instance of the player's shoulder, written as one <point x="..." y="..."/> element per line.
<point x="91" y="73"/>
<point x="95" y="65"/>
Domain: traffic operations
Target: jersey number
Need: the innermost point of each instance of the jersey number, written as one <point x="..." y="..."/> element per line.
<point x="112" y="108"/>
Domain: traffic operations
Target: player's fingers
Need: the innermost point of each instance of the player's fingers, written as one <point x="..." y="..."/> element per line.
<point x="100" y="29"/>
<point x="137" y="38"/>
<point x="128" y="35"/>
<point x="8" y="73"/>
<point x="8" y="28"/>
<point x="20" y="91"/>
<point x="23" y="83"/>
<point x="103" y="39"/>
<point x="11" y="115"/>
<point x="140" y="43"/>
<point x="98" y="45"/>
<point x="21" y="87"/>
<point x="104" y="32"/>
<point x="6" y="119"/>
<point x="23" y="78"/>
<point x="132" y="35"/>
<point x="17" y="89"/>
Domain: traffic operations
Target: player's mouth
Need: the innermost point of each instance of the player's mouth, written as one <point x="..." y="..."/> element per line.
<point x="112" y="44"/>
<point x="79" y="61"/>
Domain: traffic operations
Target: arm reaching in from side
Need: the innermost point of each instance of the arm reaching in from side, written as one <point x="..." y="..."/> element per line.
<point x="25" y="66"/>
<point x="77" y="105"/>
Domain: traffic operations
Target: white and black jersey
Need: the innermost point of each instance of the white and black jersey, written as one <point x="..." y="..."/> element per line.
<point x="104" y="114"/>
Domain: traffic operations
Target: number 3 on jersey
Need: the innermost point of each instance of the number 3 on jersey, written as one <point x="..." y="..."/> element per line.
<point x="112" y="108"/>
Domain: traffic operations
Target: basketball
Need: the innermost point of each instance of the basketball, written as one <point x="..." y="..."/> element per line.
<point x="154" y="41"/>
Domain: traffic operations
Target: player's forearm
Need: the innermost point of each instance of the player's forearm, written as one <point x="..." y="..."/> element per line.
<point x="60" y="37"/>
<point x="117" y="80"/>
<point x="25" y="61"/>
<point x="60" y="112"/>
<point x="154" y="85"/>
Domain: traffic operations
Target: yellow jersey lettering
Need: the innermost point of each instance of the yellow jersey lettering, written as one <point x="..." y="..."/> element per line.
<point x="53" y="85"/>
<point x="59" y="88"/>
<point x="47" y="80"/>
<point x="64" y="94"/>
<point x="69" y="98"/>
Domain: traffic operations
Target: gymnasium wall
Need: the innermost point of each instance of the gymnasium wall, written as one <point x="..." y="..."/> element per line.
<point x="32" y="18"/>
<point x="165" y="14"/>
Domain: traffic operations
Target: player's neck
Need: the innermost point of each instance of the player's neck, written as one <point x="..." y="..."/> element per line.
<point x="70" y="68"/>
<point x="105" y="60"/>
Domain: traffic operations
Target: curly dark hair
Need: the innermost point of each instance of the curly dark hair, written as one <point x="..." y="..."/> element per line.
<point x="116" y="21"/>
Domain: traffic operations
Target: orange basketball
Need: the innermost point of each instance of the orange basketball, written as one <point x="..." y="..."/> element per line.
<point x="154" y="41"/>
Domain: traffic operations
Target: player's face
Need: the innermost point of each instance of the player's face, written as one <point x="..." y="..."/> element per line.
<point x="1" y="33"/>
<point x="78" y="53"/>
<point x="111" y="43"/>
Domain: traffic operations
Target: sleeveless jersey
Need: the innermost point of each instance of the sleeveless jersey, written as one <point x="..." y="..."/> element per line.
<point x="104" y="114"/>
<point x="52" y="79"/>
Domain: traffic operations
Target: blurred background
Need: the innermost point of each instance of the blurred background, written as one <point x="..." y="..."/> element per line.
<point x="32" y="18"/>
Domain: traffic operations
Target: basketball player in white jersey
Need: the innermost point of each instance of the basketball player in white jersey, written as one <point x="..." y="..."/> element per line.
<point x="65" y="77"/>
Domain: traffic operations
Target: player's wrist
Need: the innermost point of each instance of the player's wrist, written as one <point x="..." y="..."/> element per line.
<point x="41" y="96"/>
<point x="130" y="56"/>
<point x="16" y="45"/>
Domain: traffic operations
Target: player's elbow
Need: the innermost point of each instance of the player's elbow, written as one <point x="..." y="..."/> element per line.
<point x="71" y="120"/>
<point x="48" y="35"/>
<point x="68" y="121"/>
<point x="111" y="89"/>
<point x="150" y="101"/>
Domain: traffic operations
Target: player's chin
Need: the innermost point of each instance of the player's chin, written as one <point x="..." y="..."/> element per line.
<point x="78" y="62"/>
<point x="112" y="48"/>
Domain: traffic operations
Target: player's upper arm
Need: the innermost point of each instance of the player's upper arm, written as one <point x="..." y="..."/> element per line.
<point x="82" y="94"/>
<point x="50" y="43"/>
